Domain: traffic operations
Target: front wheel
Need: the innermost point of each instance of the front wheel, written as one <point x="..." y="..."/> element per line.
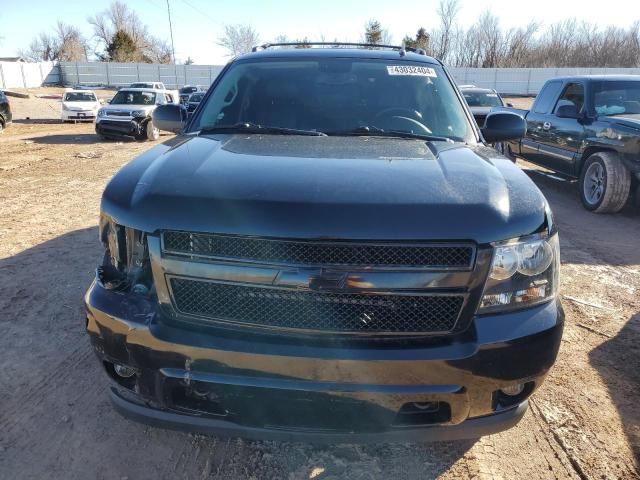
<point x="152" y="132"/>
<point x="604" y="183"/>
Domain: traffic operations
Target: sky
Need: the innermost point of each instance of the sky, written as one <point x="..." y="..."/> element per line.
<point x="197" y="24"/>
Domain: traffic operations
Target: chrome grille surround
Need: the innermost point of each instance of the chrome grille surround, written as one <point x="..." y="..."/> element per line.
<point x="263" y="293"/>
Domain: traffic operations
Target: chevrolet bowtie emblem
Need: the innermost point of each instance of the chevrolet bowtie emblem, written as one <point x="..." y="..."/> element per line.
<point x="328" y="281"/>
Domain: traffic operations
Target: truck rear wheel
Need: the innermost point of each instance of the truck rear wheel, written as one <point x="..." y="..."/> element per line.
<point x="604" y="183"/>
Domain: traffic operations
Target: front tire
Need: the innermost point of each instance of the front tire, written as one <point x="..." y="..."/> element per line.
<point x="152" y="133"/>
<point x="605" y="183"/>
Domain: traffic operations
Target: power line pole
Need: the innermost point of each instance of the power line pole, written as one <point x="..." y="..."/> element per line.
<point x="173" y="48"/>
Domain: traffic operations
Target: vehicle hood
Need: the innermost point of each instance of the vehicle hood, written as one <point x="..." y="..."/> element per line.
<point x="627" y="119"/>
<point x="326" y="187"/>
<point x="127" y="108"/>
<point x="80" y="105"/>
<point x="481" y="110"/>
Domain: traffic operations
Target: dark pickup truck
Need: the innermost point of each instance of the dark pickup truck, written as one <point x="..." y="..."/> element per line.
<point x="327" y="251"/>
<point x="587" y="128"/>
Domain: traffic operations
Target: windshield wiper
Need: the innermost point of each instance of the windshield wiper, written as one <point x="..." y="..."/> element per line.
<point x="370" y="130"/>
<point x="249" y="127"/>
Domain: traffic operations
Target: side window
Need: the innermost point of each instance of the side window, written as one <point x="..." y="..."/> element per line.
<point x="547" y="96"/>
<point x="168" y="98"/>
<point x="573" y="95"/>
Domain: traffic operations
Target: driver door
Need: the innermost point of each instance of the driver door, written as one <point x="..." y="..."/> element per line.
<point x="560" y="138"/>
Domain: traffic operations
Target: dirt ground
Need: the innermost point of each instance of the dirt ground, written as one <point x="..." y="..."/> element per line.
<point x="56" y="420"/>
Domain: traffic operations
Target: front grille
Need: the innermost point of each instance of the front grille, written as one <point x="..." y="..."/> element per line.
<point x="308" y="310"/>
<point x="111" y="113"/>
<point x="115" y="126"/>
<point x="319" y="253"/>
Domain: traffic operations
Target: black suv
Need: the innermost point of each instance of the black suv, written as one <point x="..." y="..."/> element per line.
<point x="186" y="91"/>
<point x="481" y="101"/>
<point x="328" y="251"/>
<point x="5" y="111"/>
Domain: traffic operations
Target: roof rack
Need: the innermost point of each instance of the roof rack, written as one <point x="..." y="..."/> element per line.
<point x="401" y="48"/>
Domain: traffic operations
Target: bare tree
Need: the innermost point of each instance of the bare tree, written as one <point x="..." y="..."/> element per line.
<point x="521" y="44"/>
<point x="65" y="44"/>
<point x="443" y="37"/>
<point x="238" y="39"/>
<point x="568" y="43"/>
<point x="42" y="48"/>
<point x="72" y="46"/>
<point x="281" y="39"/>
<point x="120" y="18"/>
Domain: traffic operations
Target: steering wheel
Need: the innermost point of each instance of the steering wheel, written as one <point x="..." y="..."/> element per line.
<point x="412" y="117"/>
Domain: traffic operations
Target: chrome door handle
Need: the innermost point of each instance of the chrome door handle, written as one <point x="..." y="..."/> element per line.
<point x="546" y="125"/>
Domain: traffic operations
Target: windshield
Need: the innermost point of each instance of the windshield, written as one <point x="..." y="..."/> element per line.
<point x="188" y="89"/>
<point x="125" y="97"/>
<point x="616" y="97"/>
<point x="196" y="97"/>
<point x="79" y="97"/>
<point x="482" y="99"/>
<point x="337" y="95"/>
<point x="141" y="85"/>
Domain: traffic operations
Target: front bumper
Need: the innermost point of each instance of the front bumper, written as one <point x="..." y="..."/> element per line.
<point x="78" y="116"/>
<point x="273" y="389"/>
<point x="126" y="128"/>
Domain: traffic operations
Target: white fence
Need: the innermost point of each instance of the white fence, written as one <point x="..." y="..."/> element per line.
<point x="123" y="74"/>
<point x="28" y="75"/>
<point x="525" y="81"/>
<point x="514" y="81"/>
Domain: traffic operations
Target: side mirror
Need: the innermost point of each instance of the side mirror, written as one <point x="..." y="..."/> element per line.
<point x="510" y="105"/>
<point x="170" y="117"/>
<point x="567" y="111"/>
<point x="503" y="126"/>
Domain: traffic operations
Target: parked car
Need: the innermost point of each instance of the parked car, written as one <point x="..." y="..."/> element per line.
<point x="327" y="251"/>
<point x="481" y="101"/>
<point x="153" y="85"/>
<point x="587" y="128"/>
<point x="187" y="91"/>
<point x="79" y="105"/>
<point x="194" y="101"/>
<point x="129" y="113"/>
<point x="5" y="111"/>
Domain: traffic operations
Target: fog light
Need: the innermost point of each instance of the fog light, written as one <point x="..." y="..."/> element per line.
<point x="124" y="372"/>
<point x="513" y="390"/>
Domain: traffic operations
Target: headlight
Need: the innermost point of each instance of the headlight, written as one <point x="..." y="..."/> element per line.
<point x="138" y="113"/>
<point x="102" y="113"/>
<point x="114" y="240"/>
<point x="126" y="259"/>
<point x="524" y="272"/>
